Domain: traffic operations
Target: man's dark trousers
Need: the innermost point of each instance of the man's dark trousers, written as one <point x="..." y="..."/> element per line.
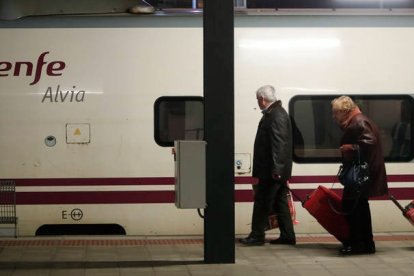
<point x="271" y="196"/>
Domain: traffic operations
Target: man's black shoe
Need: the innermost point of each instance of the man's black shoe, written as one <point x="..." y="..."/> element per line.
<point x="252" y="241"/>
<point x="283" y="241"/>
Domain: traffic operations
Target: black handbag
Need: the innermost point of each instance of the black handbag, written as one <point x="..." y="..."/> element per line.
<point x="355" y="174"/>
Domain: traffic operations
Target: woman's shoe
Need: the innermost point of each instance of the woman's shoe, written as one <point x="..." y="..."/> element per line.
<point x="349" y="250"/>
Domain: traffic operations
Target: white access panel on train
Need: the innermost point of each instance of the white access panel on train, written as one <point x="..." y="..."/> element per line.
<point x="190" y="174"/>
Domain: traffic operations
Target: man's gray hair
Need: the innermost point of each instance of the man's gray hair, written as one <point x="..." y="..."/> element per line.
<point x="267" y="92"/>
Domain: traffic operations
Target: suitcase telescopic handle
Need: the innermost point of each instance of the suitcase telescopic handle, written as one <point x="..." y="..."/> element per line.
<point x="397" y="203"/>
<point x="298" y="197"/>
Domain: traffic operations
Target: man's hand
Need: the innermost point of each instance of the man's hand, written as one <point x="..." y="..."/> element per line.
<point x="275" y="176"/>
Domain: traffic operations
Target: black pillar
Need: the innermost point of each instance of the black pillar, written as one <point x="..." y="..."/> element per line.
<point x="219" y="131"/>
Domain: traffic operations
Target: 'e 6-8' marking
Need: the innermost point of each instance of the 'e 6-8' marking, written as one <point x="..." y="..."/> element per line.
<point x="75" y="214"/>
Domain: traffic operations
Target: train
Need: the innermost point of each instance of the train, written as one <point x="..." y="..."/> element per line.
<point x="89" y="107"/>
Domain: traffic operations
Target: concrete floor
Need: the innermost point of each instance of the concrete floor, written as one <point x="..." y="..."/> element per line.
<point x="114" y="255"/>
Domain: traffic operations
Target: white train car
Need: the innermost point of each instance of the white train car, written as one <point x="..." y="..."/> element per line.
<point x="88" y="106"/>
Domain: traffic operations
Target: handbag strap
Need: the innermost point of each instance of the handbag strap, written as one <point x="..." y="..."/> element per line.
<point x="359" y="153"/>
<point x="360" y="161"/>
<point x="356" y="201"/>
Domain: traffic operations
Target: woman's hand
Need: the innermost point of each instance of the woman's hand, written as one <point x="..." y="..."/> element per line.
<point x="348" y="151"/>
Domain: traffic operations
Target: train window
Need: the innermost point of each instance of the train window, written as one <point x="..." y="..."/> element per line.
<point x="316" y="136"/>
<point x="178" y="118"/>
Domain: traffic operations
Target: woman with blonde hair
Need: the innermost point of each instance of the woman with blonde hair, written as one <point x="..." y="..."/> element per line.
<point x="360" y="139"/>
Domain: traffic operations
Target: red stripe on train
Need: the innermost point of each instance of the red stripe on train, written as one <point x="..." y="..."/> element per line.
<point x="104" y="197"/>
<point x="301" y="179"/>
<point x="130" y="197"/>
<point x="302" y="194"/>
<point x="94" y="181"/>
<point x="333" y="179"/>
<point x="101" y="197"/>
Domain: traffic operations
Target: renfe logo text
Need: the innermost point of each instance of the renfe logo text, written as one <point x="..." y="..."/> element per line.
<point x="27" y="68"/>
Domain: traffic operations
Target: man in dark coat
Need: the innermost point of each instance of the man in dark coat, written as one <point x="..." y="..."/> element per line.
<point x="272" y="165"/>
<point x="361" y="135"/>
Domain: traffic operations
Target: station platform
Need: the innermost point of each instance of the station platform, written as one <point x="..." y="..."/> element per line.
<point x="157" y="256"/>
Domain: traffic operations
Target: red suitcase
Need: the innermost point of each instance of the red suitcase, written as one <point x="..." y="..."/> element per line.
<point x="325" y="205"/>
<point x="408" y="211"/>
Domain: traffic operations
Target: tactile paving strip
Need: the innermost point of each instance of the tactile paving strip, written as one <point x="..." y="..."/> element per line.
<point x="98" y="242"/>
<point x="73" y="242"/>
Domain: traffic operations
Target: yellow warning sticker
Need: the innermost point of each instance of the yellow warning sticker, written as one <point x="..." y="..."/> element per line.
<point x="77" y="132"/>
